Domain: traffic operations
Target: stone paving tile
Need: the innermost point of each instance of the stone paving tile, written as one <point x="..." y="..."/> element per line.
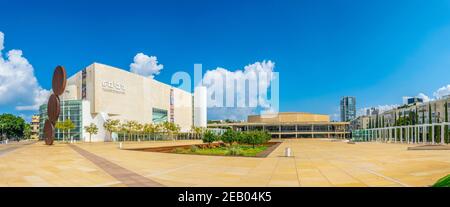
<point x="41" y="165"/>
<point x="127" y="177"/>
<point x="315" y="163"/>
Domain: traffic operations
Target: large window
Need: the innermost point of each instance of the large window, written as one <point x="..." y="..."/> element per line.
<point x="159" y="115"/>
<point x="70" y="109"/>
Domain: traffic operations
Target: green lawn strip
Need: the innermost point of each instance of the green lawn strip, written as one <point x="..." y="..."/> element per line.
<point x="247" y="151"/>
<point x="443" y="182"/>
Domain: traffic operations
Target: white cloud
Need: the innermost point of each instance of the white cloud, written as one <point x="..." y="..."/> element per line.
<point x="239" y="93"/>
<point x="18" y="85"/>
<point x="235" y="113"/>
<point x="424" y="97"/>
<point x="443" y="91"/>
<point x="146" y="65"/>
<point x="2" y="39"/>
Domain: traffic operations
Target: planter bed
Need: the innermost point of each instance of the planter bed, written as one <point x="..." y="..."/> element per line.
<point x="214" y="149"/>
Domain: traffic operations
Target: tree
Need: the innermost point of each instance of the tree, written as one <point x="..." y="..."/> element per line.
<point x="27" y="131"/>
<point x="11" y="126"/>
<point x="209" y="137"/>
<point x="416" y="117"/>
<point x="171" y="128"/>
<point x="430" y="121"/>
<point x="137" y="129"/>
<point x="446" y="121"/>
<point x="255" y="137"/>
<point x="197" y="131"/>
<point x="91" y="129"/>
<point x="395" y="123"/>
<point x="60" y="126"/>
<point x="128" y="127"/>
<point x="423" y="116"/>
<point x="64" y="126"/>
<point x="69" y="126"/>
<point x="111" y="126"/>
<point x="376" y="122"/>
<point x="228" y="136"/>
<point x="150" y="129"/>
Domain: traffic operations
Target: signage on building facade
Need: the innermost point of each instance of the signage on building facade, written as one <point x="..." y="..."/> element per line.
<point x="113" y="86"/>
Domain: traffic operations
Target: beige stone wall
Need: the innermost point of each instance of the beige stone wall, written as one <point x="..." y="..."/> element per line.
<point x="290" y="117"/>
<point x="183" y="109"/>
<point x="127" y="96"/>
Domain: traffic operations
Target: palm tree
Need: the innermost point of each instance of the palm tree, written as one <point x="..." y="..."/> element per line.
<point x="158" y="129"/>
<point x="148" y="129"/>
<point x="137" y="129"/>
<point x="199" y="131"/>
<point x="171" y="128"/>
<point x="196" y="131"/>
<point x="111" y="126"/>
<point x="128" y="127"/>
<point x="91" y="129"/>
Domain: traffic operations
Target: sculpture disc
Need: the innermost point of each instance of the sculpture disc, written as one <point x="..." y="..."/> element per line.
<point x="49" y="132"/>
<point x="53" y="108"/>
<point x="59" y="80"/>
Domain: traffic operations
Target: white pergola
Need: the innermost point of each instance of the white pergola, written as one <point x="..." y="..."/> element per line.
<point x="411" y="134"/>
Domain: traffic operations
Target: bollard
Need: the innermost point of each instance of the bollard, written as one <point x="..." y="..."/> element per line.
<point x="120" y="145"/>
<point x="287" y="152"/>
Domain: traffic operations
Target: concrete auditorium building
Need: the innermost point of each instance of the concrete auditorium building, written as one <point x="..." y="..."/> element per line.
<point x="100" y="92"/>
<point x="292" y="125"/>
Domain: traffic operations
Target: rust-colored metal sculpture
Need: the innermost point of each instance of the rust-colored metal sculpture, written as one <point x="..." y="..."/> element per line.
<point x="53" y="107"/>
<point x="49" y="132"/>
<point x="59" y="80"/>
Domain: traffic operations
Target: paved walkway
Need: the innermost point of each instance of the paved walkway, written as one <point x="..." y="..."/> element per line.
<point x="7" y="148"/>
<point x="125" y="176"/>
<point x="315" y="163"/>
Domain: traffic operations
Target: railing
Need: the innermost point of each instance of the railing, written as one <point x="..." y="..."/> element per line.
<point x="435" y="133"/>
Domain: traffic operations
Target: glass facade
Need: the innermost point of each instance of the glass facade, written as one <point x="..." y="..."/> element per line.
<point x="159" y="115"/>
<point x="348" y="108"/>
<point x="70" y="109"/>
<point x="331" y="130"/>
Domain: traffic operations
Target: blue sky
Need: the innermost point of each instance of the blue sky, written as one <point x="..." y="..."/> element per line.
<point x="377" y="51"/>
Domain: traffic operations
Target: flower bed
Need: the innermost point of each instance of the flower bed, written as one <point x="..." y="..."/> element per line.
<point x="217" y="149"/>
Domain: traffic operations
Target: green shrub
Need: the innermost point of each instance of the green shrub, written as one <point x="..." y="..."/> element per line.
<point x="209" y="137"/>
<point x="443" y="182"/>
<point x="254" y="138"/>
<point x="229" y="136"/>
<point x="234" y="151"/>
<point x="194" y="148"/>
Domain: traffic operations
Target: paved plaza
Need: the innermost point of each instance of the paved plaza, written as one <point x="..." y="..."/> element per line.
<point x="315" y="163"/>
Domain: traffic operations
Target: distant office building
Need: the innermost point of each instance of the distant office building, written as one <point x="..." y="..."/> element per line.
<point x="348" y="108"/>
